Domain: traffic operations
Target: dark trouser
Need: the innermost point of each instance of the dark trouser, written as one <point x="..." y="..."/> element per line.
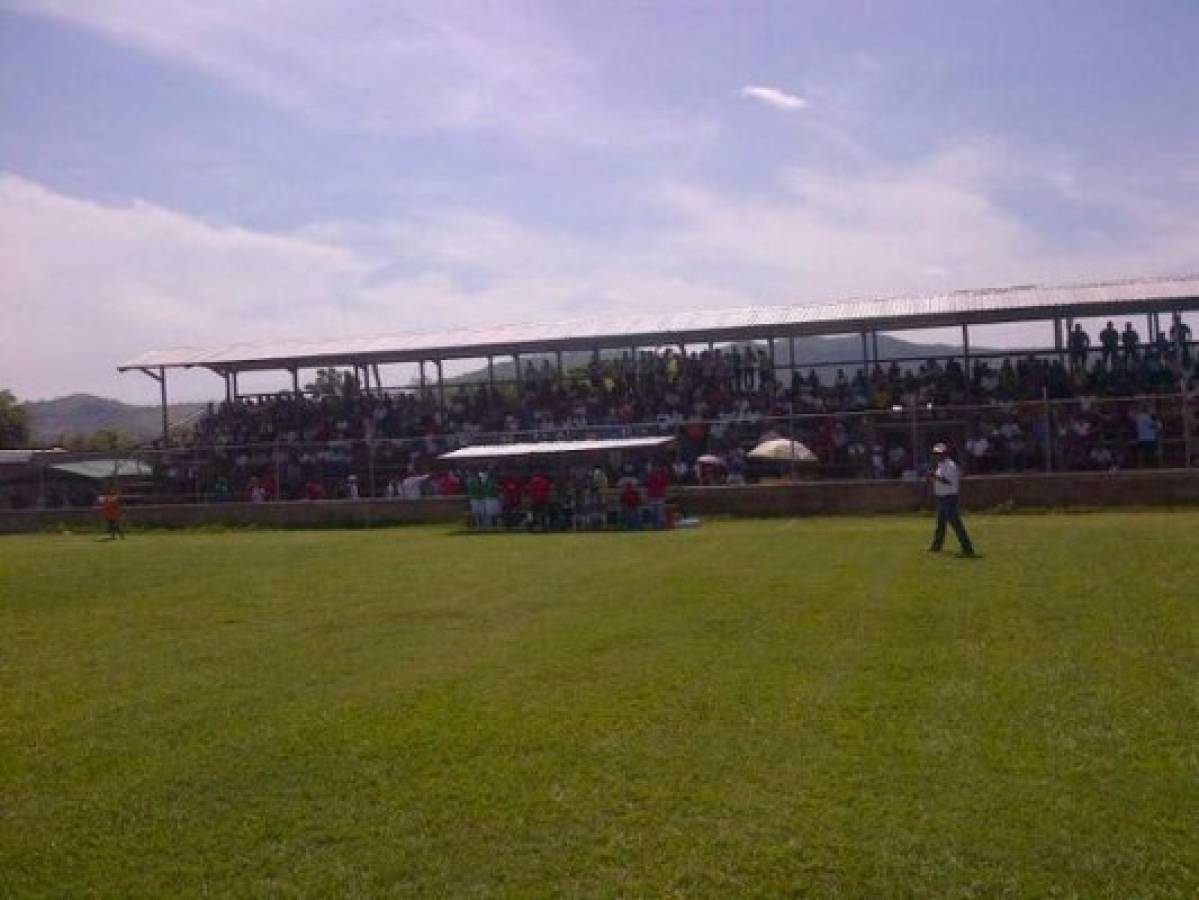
<point x="947" y="514"/>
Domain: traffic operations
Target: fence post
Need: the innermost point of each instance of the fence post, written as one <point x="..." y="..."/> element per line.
<point x="1048" y="430"/>
<point x="370" y="465"/>
<point x="1186" y="421"/>
<point x="791" y="429"/>
<point x="915" y="437"/>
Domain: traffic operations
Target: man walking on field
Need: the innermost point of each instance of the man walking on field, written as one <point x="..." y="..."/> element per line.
<point x="945" y="479"/>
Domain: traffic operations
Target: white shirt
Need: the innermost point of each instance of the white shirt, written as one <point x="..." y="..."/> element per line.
<point x="1146" y="427"/>
<point x="946" y="478"/>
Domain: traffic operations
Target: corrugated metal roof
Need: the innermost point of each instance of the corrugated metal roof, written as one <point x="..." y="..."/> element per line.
<point x="1009" y="304"/>
<point x="551" y="448"/>
<point x="20" y="457"/>
<point x="100" y="469"/>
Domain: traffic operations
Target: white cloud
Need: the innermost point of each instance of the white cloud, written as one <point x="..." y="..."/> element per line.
<point x="389" y="66"/>
<point x="88" y="285"/>
<point x="773" y="97"/>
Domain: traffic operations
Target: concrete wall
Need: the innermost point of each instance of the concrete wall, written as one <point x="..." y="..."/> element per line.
<point x="1171" y="487"/>
<point x="1080" y="489"/>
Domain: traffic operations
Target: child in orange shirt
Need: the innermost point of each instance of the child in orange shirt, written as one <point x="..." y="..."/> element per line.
<point x="110" y="508"/>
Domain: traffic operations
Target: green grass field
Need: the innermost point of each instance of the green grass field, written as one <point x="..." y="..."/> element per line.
<point x="804" y="708"/>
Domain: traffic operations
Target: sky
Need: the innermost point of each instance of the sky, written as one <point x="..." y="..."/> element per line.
<point x="189" y="174"/>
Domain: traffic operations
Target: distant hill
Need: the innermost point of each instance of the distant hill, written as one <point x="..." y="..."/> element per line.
<point x="53" y="420"/>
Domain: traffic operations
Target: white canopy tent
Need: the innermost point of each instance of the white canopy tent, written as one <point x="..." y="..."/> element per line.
<point x="492" y="452"/>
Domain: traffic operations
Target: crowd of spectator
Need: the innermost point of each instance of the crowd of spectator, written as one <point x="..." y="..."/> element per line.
<point x="578" y="497"/>
<point x="1091" y="407"/>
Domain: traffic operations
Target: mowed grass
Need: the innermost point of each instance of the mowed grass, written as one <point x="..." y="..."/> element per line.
<point x="780" y="707"/>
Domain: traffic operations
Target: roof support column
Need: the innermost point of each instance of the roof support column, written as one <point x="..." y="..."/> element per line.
<point x="424" y="384"/>
<point x="1186" y="419"/>
<point x="491" y="373"/>
<point x="228" y="387"/>
<point x="295" y="381"/>
<point x="874" y="347"/>
<point x="561" y="374"/>
<point x="865" y="353"/>
<point x="441" y="391"/>
<point x="166" y="427"/>
<point x="161" y="377"/>
<point x="1057" y="339"/>
<point x="791" y="357"/>
<point x="966" y="348"/>
<point x="236" y="390"/>
<point x="378" y="380"/>
<point x="520" y="382"/>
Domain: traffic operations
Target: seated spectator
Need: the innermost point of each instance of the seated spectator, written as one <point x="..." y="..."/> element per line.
<point x="1148" y="430"/>
<point x="978" y="453"/>
<point x="1102" y="458"/>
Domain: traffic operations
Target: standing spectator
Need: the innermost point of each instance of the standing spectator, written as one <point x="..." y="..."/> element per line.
<point x="656" y="483"/>
<point x="490" y="485"/>
<point x="1080" y="343"/>
<point x="510" y="493"/>
<point x="1131" y="341"/>
<point x="1180" y="337"/>
<point x="945" y="488"/>
<point x="630" y="503"/>
<point x="1110" y="339"/>
<point x="1162" y="345"/>
<point x="474" y="494"/>
<point x="539" y="500"/>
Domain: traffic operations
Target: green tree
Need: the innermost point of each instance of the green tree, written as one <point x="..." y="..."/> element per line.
<point x="102" y="440"/>
<point x="330" y="382"/>
<point x="14" y="422"/>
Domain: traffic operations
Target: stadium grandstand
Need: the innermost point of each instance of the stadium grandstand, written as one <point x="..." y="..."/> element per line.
<point x="719" y="381"/>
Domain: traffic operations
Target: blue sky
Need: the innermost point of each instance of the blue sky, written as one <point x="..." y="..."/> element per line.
<point x="174" y="173"/>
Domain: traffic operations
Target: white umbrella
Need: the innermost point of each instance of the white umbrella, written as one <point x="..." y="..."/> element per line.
<point x="783" y="450"/>
<point x="710" y="459"/>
